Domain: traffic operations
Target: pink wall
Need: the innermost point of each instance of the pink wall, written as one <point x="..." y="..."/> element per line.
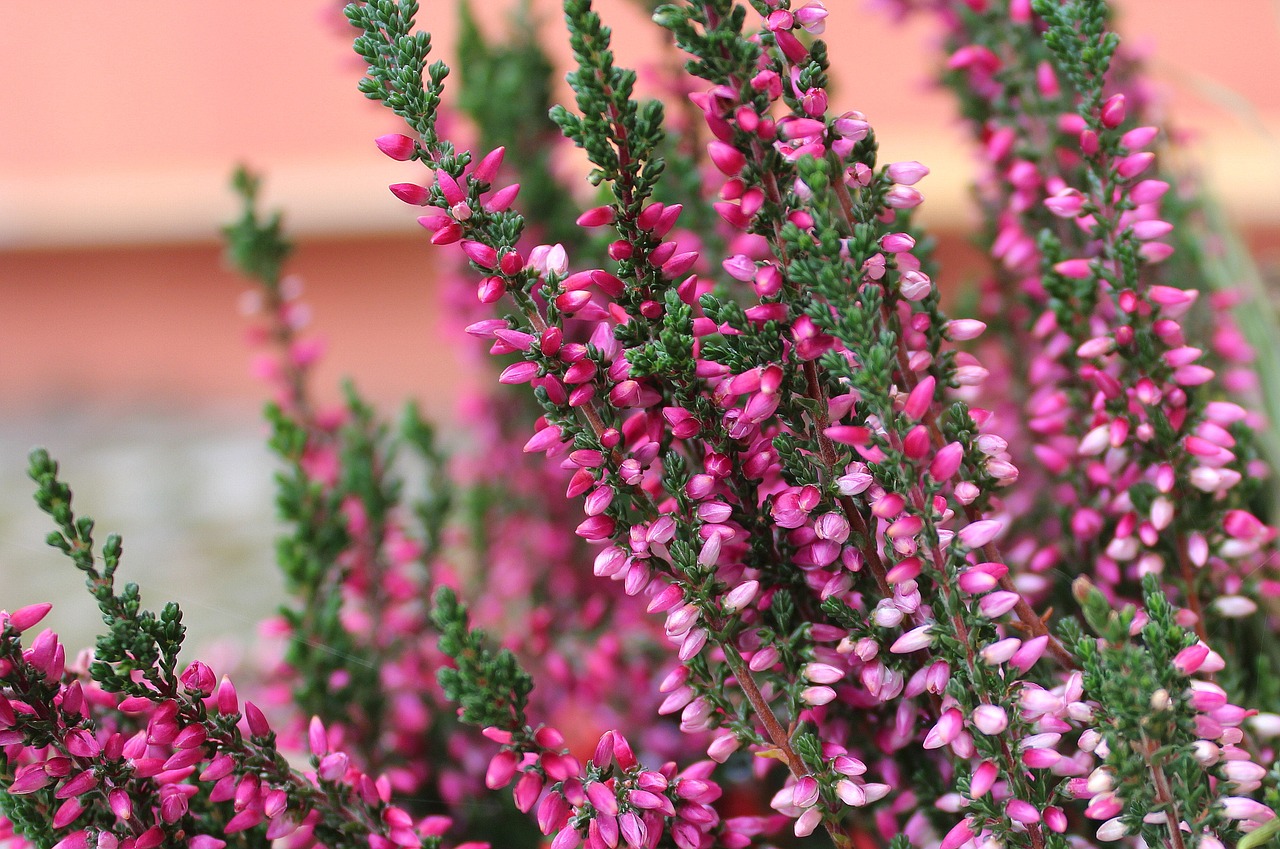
<point x="120" y="132"/>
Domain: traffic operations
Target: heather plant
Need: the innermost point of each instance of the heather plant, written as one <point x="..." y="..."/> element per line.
<point x="819" y="572"/>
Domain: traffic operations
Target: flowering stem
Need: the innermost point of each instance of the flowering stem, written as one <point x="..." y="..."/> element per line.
<point x="1163" y="793"/>
<point x="1028" y="617"/>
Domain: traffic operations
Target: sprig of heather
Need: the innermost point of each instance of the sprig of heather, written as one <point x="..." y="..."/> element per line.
<point x="611" y="798"/>
<point x="123" y="750"/>
<point x="531" y="571"/>
<point x="1122" y="400"/>
<point x="851" y="224"/>
<point x="1078" y="241"/>
<point x="1170" y="765"/>
<point x="599" y="439"/>
<point x="667" y="364"/>
<point x="354" y="655"/>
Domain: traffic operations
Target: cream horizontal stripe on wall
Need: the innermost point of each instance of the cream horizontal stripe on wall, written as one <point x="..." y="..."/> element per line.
<point x="350" y="198"/>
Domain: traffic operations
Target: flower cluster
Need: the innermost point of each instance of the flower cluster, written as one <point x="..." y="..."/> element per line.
<point x="116" y="749"/>
<point x="810" y="522"/>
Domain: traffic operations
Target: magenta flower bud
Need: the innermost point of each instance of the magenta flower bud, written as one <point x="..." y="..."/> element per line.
<point x="741" y="595"/>
<point x="802" y="128"/>
<point x="191" y="737"/>
<point x="411" y="193"/>
<point x="29" y="778"/>
<point x="501" y="200"/>
<point x="915" y="445"/>
<point x="983" y="779"/>
<point x="946" y="462"/>
<point x="722" y="747"/>
<point x="396" y="146"/>
<point x="568" y="838"/>
<point x="1113" y="111"/>
<point x="1000" y="651"/>
<point x="527" y="790"/>
<point x="1134" y="164"/>
<point x="481" y="254"/>
<point x="1151" y="229"/>
<point x="1242" y="524"/>
<point x="67" y="813"/>
<point x="693" y="642"/>
<point x="553" y="813"/>
<point x="677" y="700"/>
<point x="763" y="659"/>
<point x="711" y="551"/>
<point x="976" y="580"/>
<point x="990" y="719"/>
<point x="915" y="285"/>
<point x="1075" y="269"/>
<point x="668" y="598"/>
<point x="1170" y="296"/>
<point x="198" y="678"/>
<point x="1022" y="812"/>
<point x="1243" y="772"/>
<point x="964" y="329"/>
<point x="832" y="526"/>
<point x="1206" y="696"/>
<point x="907" y="173"/>
<point x="822" y="673"/>
<point x="602" y="798"/>
<point x="1098" y="346"/>
<point x="453" y="193"/>
<point x="502" y="768"/>
<point x="120" y="803"/>
<point x="960" y="834"/>
<point x="28" y="617"/>
<point x="1138" y="138"/>
<point x="82" y="783"/>
<point x="646" y="800"/>
<point x="805" y="793"/>
<point x="633" y="830"/>
<point x="997" y="604"/>
<point x="1189" y="660"/>
<point x="1244" y="808"/>
<point x="947" y="729"/>
<point x="434" y="222"/>
<point x="1148" y="191"/>
<point x="1088" y="142"/>
<point x="920" y="399"/>
<point x="805" y="825"/>
<point x="520" y="372"/>
<point x="597" y="217"/>
<point x="1040" y="758"/>
<point x="446" y="235"/>
<point x="599" y="500"/>
<point x="487" y="170"/>
<point x="317" y="737"/>
<point x="728" y="159"/>
<point x="913" y="640"/>
<point x="897" y="243"/>
<point x="1065" y="204"/>
<point x="903" y="197"/>
<point x="1030" y="653"/>
<point x="977" y="534"/>
<point x="76" y="840"/>
<point x="257" y="721"/>
<point x="852" y="127"/>
<point x="812" y="17"/>
<point x="220" y="767"/>
<point x="681" y="619"/>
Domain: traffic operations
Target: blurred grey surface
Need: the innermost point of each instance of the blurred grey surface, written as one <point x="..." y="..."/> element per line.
<point x="192" y="496"/>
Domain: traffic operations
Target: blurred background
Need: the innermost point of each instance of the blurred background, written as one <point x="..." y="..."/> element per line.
<point x="121" y="349"/>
